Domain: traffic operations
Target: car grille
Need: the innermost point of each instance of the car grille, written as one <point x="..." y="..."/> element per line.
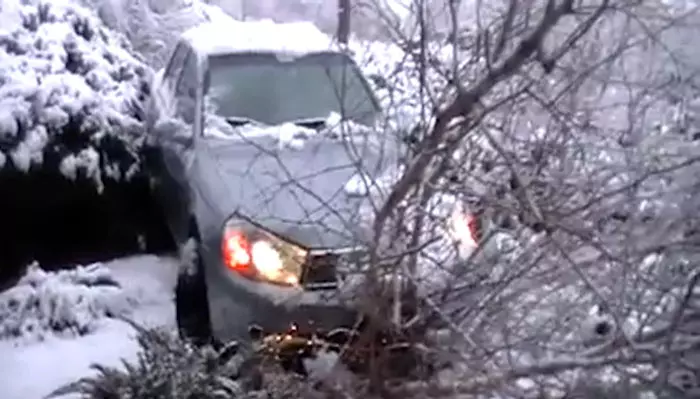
<point x="325" y="269"/>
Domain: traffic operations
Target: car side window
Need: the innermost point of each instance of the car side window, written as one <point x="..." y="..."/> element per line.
<point x="174" y="67"/>
<point x="186" y="89"/>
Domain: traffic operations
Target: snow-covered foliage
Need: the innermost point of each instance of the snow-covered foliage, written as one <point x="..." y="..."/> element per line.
<point x="154" y="27"/>
<point x="70" y="93"/>
<point x="68" y="302"/>
<point x="395" y="75"/>
<point x="166" y="367"/>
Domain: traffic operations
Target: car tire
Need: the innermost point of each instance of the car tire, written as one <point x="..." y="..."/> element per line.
<point x="191" y="302"/>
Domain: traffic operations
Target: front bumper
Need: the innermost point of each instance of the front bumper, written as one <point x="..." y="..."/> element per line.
<point x="237" y="303"/>
<point x="308" y="318"/>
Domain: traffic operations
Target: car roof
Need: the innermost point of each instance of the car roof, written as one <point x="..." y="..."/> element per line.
<point x="231" y="37"/>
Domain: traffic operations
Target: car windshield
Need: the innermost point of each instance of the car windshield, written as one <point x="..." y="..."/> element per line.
<point x="272" y="90"/>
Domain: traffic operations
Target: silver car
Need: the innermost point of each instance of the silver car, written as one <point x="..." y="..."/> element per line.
<point x="272" y="236"/>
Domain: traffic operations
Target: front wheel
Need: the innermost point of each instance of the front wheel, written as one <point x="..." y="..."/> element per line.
<point x="191" y="302"/>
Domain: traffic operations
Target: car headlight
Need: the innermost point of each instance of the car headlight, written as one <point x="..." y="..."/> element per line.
<point x="260" y="255"/>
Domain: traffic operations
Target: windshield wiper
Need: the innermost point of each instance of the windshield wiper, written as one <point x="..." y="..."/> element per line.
<point x="236" y="121"/>
<point x="313" y="123"/>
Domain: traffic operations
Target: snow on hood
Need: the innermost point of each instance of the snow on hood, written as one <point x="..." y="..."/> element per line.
<point x="293" y="136"/>
<point x="288" y="134"/>
<point x="292" y="176"/>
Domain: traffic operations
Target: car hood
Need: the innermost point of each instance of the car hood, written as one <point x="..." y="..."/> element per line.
<point x="299" y="193"/>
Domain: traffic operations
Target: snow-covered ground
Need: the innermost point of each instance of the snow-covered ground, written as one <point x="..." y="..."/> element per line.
<point x="33" y="369"/>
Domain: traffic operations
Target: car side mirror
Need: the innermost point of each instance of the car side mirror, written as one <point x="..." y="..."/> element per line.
<point x="185" y="141"/>
<point x="173" y="130"/>
<point x="166" y="127"/>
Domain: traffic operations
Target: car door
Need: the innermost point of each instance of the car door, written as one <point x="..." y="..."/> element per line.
<point x="173" y="132"/>
<point x="178" y="148"/>
<point x="161" y="109"/>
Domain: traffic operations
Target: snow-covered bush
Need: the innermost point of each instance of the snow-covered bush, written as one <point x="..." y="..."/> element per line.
<point x="170" y="368"/>
<point x="166" y="367"/>
<point x="153" y="27"/>
<point x="395" y="74"/>
<point x="68" y="302"/>
<point x="70" y="94"/>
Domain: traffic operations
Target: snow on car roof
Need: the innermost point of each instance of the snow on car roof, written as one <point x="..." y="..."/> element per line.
<point x="226" y="37"/>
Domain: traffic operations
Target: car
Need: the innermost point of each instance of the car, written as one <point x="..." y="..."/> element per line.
<point x="267" y="225"/>
<point x="251" y="173"/>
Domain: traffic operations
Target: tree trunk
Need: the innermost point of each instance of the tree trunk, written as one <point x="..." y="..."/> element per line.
<point x="343" y="32"/>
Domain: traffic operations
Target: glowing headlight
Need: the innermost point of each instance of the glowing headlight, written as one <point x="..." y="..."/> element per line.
<point x="263" y="256"/>
<point x="268" y="262"/>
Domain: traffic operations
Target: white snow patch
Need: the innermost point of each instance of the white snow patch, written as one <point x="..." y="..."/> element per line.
<point x="359" y="185"/>
<point x="69" y="167"/>
<point x="87" y="160"/>
<point x="37" y="370"/>
<point x="338" y="127"/>
<point x="292" y="136"/>
<point x="8" y="123"/>
<point x="21" y="157"/>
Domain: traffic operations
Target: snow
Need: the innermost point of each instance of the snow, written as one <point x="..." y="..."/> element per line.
<point x="362" y="184"/>
<point x="60" y="361"/>
<point x="292" y="136"/>
<point x="67" y="302"/>
<point x="288" y="134"/>
<point x="59" y="62"/>
<point x="61" y="67"/>
<point x="359" y="185"/>
<point x="225" y="37"/>
<point x="147" y="282"/>
<point x="87" y="160"/>
<point x="153" y="27"/>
